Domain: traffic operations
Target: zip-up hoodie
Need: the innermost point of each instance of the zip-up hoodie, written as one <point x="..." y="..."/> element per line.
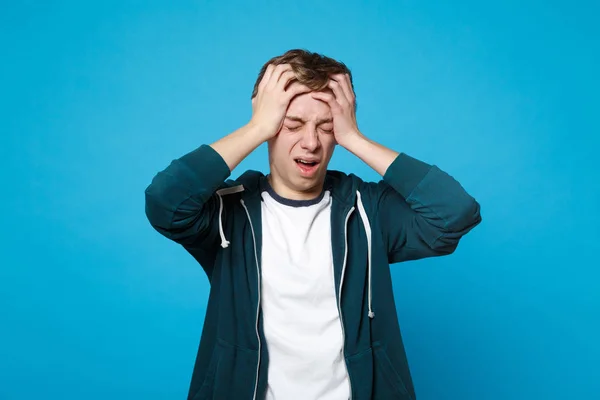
<point x="416" y="211"/>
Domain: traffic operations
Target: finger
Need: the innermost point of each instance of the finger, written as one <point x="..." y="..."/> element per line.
<point x="348" y="89"/>
<point x="284" y="68"/>
<point x="266" y="77"/>
<point x="338" y="91"/>
<point x="286" y="78"/>
<point x="279" y="70"/>
<point x="295" y="89"/>
<point x="346" y="86"/>
<point x="327" y="98"/>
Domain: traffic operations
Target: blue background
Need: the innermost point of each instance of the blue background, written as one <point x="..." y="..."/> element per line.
<point x="98" y="97"/>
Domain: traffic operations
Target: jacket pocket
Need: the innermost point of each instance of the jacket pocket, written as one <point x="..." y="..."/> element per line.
<point x="231" y="373"/>
<point x="387" y="382"/>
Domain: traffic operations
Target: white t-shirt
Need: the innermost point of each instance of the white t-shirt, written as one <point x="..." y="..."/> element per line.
<point x="300" y="315"/>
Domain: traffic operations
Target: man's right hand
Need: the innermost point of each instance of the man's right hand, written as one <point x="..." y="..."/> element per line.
<point x="275" y="91"/>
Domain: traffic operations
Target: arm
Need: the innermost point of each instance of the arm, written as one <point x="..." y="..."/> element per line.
<point x="179" y="201"/>
<point x="422" y="210"/>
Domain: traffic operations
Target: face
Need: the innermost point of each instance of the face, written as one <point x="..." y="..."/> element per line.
<point x="299" y="154"/>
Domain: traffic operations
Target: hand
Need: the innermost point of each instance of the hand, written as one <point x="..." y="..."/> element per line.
<point x="275" y="91"/>
<point x="342" y="107"/>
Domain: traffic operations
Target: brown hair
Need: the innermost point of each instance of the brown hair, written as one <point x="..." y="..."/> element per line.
<point x="311" y="69"/>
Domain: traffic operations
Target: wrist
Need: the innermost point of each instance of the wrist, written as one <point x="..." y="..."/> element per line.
<point x="370" y="152"/>
<point x="352" y="141"/>
<point x="258" y="131"/>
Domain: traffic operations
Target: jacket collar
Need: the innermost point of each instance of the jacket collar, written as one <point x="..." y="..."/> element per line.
<point x="343" y="190"/>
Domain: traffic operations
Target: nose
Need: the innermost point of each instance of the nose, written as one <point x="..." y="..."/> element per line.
<point x="310" y="139"/>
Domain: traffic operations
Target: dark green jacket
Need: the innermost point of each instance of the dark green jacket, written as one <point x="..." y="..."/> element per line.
<point x="416" y="211"/>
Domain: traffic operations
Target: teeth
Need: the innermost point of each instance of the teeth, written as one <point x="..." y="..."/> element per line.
<point x="306" y="162"/>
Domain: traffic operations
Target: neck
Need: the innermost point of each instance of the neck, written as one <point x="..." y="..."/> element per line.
<point x="287" y="192"/>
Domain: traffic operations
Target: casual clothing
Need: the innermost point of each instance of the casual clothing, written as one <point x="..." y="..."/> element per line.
<point x="416" y="211"/>
<point x="300" y="316"/>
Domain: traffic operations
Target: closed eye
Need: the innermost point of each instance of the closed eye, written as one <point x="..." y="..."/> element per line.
<point x="293" y="128"/>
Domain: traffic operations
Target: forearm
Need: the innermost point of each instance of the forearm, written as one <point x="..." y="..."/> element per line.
<point x="181" y="190"/>
<point x="434" y="194"/>
<point x="236" y="146"/>
<point x="179" y="200"/>
<point x="372" y="153"/>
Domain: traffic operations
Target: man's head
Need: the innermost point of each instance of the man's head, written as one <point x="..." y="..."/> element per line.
<point x="300" y="153"/>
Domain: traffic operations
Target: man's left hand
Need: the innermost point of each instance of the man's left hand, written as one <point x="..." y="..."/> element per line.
<point x="342" y="104"/>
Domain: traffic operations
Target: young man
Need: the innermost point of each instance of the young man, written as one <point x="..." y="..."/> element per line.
<point x="301" y="303"/>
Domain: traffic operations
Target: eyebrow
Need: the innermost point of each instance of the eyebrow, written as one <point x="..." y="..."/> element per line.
<point x="298" y="119"/>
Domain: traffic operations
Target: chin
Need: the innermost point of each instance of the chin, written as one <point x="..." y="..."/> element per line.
<point x="310" y="182"/>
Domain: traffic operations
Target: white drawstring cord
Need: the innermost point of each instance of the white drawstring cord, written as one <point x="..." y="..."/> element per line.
<point x="367" y="225"/>
<point x="220" y="193"/>
<point x="224" y="241"/>
<point x="363" y="215"/>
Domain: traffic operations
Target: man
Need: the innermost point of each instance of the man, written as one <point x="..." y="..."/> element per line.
<point x="301" y="303"/>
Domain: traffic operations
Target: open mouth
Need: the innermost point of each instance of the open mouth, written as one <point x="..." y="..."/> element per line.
<point x="306" y="163"/>
<point x="307" y="167"/>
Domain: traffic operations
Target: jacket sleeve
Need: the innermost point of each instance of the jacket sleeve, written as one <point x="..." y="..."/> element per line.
<point x="422" y="210"/>
<point x="179" y="201"/>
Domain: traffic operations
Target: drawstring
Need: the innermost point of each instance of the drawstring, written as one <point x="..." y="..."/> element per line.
<point x="224" y="242"/>
<point x="220" y="193"/>
<point x="363" y="216"/>
<point x="367" y="225"/>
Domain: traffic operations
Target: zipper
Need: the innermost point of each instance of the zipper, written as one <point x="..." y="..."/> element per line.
<point x="340" y="296"/>
<point x="258" y="305"/>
